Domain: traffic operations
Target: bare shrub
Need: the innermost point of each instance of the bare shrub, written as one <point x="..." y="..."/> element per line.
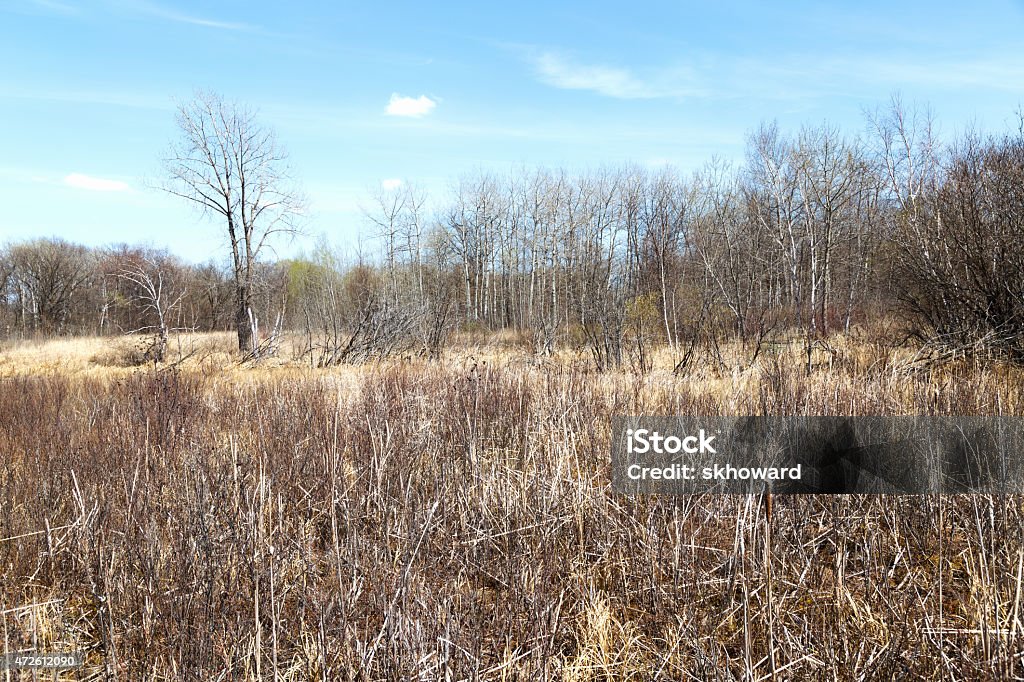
<point x="423" y="520"/>
<point x="962" y="260"/>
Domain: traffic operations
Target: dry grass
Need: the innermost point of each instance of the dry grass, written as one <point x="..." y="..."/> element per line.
<point x="455" y="521"/>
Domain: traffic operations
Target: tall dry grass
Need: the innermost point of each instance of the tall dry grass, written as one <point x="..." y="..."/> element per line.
<point x="455" y="521"/>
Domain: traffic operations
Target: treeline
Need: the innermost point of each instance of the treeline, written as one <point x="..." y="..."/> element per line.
<point x="49" y="286"/>
<point x="812" y="233"/>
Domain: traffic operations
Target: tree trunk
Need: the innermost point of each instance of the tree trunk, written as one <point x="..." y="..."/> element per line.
<point x="245" y="339"/>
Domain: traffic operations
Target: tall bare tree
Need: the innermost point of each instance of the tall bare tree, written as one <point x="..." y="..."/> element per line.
<point x="230" y="166"/>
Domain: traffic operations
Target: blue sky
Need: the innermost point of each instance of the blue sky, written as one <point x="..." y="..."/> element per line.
<point x="368" y="93"/>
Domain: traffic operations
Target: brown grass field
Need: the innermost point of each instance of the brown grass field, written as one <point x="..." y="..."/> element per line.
<point x="454" y="521"/>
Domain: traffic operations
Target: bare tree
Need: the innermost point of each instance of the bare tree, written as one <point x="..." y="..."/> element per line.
<point x="387" y="215"/>
<point x="773" y="196"/>
<point x="734" y="249"/>
<point x="157" y="300"/>
<point x="51" y="281"/>
<point x="963" y="272"/>
<point x="230" y="166"/>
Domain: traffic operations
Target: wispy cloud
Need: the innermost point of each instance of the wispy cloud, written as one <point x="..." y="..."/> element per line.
<point x="160" y="12"/>
<point x="76" y="180"/>
<point x="613" y="81"/>
<point x="18" y="174"/>
<point x="391" y="183"/>
<point x="139" y="7"/>
<point x="55" y="7"/>
<point x="791" y="76"/>
<point x="1001" y="72"/>
<point x="82" y="181"/>
<point x="135" y="100"/>
<point x="413" y="107"/>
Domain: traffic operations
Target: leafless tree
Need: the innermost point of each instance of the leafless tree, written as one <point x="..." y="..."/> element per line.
<point x="51" y="282"/>
<point x="735" y="250"/>
<point x="230" y="166"/>
<point x="665" y="217"/>
<point x="771" y="185"/>
<point x="157" y="300"/>
<point x="963" y="269"/>
<point x="812" y="232"/>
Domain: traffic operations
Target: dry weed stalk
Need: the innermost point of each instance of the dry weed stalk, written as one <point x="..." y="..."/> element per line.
<point x="419" y="520"/>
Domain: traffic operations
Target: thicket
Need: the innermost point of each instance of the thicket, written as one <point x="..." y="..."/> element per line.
<point x="432" y="520"/>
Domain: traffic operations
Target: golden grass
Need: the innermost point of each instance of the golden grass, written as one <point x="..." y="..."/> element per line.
<point x="454" y="519"/>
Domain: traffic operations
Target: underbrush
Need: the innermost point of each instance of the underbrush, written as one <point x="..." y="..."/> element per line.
<point x="455" y="521"/>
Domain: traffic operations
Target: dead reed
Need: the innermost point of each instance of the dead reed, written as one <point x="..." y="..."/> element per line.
<point x="455" y="521"/>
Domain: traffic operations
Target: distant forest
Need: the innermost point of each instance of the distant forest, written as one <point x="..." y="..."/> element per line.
<point x="816" y="232"/>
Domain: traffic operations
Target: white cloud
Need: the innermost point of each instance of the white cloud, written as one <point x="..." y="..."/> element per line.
<point x="391" y="183"/>
<point x="614" y="82"/>
<point x="621" y="83"/>
<point x="88" y="182"/>
<point x="414" y="107"/>
<point x="790" y="76"/>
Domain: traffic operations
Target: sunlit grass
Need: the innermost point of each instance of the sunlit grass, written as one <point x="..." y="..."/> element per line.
<point x="414" y="518"/>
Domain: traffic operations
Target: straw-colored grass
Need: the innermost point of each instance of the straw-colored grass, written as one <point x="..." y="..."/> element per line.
<point x="454" y="520"/>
